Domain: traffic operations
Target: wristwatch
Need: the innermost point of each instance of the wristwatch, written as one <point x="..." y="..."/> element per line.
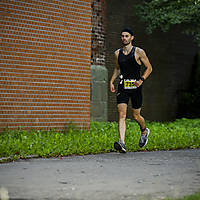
<point x="142" y="79"/>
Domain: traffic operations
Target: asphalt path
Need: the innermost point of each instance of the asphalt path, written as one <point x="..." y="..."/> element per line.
<point x="110" y="176"/>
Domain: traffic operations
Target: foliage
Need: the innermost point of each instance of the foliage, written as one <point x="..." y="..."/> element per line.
<point x="165" y="13"/>
<point x="15" y="144"/>
<point x="190" y="100"/>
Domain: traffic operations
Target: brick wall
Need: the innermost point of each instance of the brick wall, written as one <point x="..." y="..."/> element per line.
<point x="98" y="32"/>
<point x="45" y="63"/>
<point x="99" y="73"/>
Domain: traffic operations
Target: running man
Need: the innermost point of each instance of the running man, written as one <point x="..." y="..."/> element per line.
<point x="128" y="63"/>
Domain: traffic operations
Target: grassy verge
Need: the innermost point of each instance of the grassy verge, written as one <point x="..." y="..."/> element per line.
<point x="15" y="144"/>
<point x="195" y="196"/>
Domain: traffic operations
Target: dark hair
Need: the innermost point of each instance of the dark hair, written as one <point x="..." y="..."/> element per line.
<point x="129" y="30"/>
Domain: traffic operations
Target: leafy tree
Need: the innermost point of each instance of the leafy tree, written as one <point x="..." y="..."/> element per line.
<point x="165" y="13"/>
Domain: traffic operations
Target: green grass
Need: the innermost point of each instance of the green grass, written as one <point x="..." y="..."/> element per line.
<point x="195" y="196"/>
<point x="15" y="144"/>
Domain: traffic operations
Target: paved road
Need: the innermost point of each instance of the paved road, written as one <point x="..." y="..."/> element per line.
<point x="131" y="176"/>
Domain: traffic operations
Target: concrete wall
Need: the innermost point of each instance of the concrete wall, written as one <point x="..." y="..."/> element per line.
<point x="171" y="54"/>
<point x="99" y="95"/>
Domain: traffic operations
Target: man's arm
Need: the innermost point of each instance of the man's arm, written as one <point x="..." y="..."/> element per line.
<point x="116" y="72"/>
<point x="144" y="59"/>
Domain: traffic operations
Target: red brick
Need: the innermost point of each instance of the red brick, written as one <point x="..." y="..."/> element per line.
<point x="45" y="64"/>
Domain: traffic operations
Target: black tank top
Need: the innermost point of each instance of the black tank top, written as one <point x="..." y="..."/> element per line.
<point x="129" y="68"/>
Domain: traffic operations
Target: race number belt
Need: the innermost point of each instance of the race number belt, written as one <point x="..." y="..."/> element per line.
<point x="129" y="84"/>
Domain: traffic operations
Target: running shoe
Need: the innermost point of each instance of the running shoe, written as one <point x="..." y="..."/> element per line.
<point x="120" y="146"/>
<point x="144" y="138"/>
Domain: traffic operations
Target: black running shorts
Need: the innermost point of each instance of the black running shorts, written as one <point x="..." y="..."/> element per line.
<point x="135" y="96"/>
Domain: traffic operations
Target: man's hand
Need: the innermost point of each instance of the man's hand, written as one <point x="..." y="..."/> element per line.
<point x="112" y="87"/>
<point x="138" y="83"/>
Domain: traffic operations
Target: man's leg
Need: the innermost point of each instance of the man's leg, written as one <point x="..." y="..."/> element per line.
<point x="122" y="108"/>
<point x="120" y="146"/>
<point x="139" y="119"/>
<point x="144" y="131"/>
